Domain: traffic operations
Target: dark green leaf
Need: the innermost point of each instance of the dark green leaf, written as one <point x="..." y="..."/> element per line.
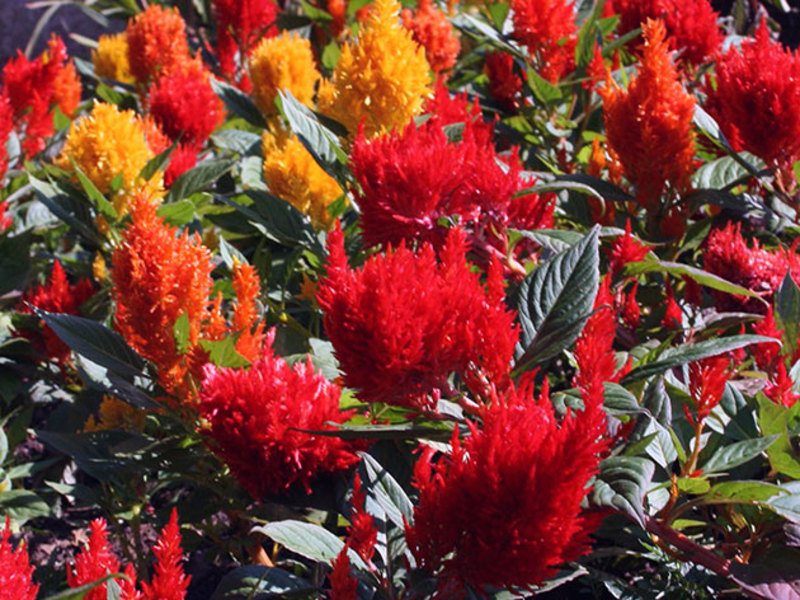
<point x="389" y="494"/>
<point x="97" y="198"/>
<point x="711" y="129"/>
<point x="238" y="103"/>
<point x="158" y="163"/>
<point x="22" y="506"/>
<point x="737" y="454"/>
<point x="308" y="540"/>
<point x="278" y="220"/>
<point x="787" y="311"/>
<point x="320" y="141"/>
<point x="622" y="484"/>
<point x="241" y="142"/>
<point x="555" y="301"/>
<point x="74" y="213"/>
<point x="401" y="431"/>
<point x="80" y="592"/>
<point x="15" y="262"/>
<point x="197" y="179"/>
<point x="257" y="582"/>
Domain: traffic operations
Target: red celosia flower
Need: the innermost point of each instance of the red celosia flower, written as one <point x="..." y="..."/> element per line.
<point x="169" y="581"/>
<point x="625" y="249"/>
<point x="96" y="561"/>
<point x="433" y="31"/>
<point x="362" y="533"/>
<point x="6" y="127"/>
<point x="445" y="108"/>
<point x="548" y="29"/>
<point x="343" y="585"/>
<point x="404" y="322"/>
<point x="780" y="387"/>
<point x="184" y="105"/>
<point x="256" y="419"/>
<point x="505" y="85"/>
<point x="33" y="87"/>
<point x="240" y="25"/>
<point x="707" y="380"/>
<point x="631" y="313"/>
<point x="596" y="69"/>
<point x="182" y="159"/>
<point x="649" y="125"/>
<point x="58" y="296"/>
<point x="767" y="355"/>
<point x="156" y="42"/>
<point x="756" y="99"/>
<point x="338" y="10"/>
<point x="503" y="509"/>
<point x="673" y="316"/>
<point x="729" y="256"/>
<point x="411" y="180"/>
<point x="16" y="573"/>
<point x="158" y="277"/>
<point x="691" y="24"/>
<point x="6" y="220"/>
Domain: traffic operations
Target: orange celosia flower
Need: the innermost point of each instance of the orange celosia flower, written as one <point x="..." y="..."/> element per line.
<point x="158" y="277"/>
<point x="106" y="144"/>
<point x="110" y="58"/>
<point x="284" y="62"/>
<point x="433" y="32"/>
<point x="649" y="125"/>
<point x="247" y="286"/>
<point x="116" y="414"/>
<point x="381" y="79"/>
<point x="292" y="174"/>
<point x="156" y="42"/>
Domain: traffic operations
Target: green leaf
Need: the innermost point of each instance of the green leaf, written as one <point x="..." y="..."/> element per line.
<point x="741" y="491"/>
<point x="257" y="582"/>
<point x="589" y="185"/>
<point x="693" y="485"/>
<point x="278" y="220"/>
<point x="198" y="179"/>
<point x="545" y="92"/>
<point x="80" y="592"/>
<point x="674" y="357"/>
<point x="391" y="497"/>
<point x="555" y="301"/>
<point x="22" y="506"/>
<point x="320" y="141"/>
<point x="229" y="253"/>
<point x="622" y="484"/>
<point x="3" y="446"/>
<point x="315" y="13"/>
<point x="774" y="419"/>
<point x="15" y="262"/>
<point x="711" y="129"/>
<point x="238" y="103"/>
<point x="787" y="506"/>
<point x="236" y="140"/>
<point x="400" y="431"/>
<point x="73" y="212"/>
<point x="787" y="311"/>
<point x="178" y="213"/>
<point x="158" y="163"/>
<point x="720" y="173"/>
<point x="181" y="332"/>
<point x="223" y="353"/>
<point x="702" y="277"/>
<point x="94" y="341"/>
<point x="737" y="454"/>
<point x="96" y="196"/>
<point x="498" y="11"/>
<point x="308" y="540"/>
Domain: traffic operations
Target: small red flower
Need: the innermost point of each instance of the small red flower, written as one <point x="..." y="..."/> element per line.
<point x="362" y="533"/>
<point x="343" y="584"/>
<point x="6" y="127"/>
<point x="404" y="322"/>
<point x="673" y="316"/>
<point x="625" y="249"/>
<point x="432" y="30"/>
<point x="240" y="25"/>
<point x="548" y="29"/>
<point x="505" y="85"/>
<point x="257" y="420"/>
<point x="156" y="43"/>
<point x="707" y="380"/>
<point x="6" y="220"/>
<point x="16" y="573"/>
<point x="169" y="581"/>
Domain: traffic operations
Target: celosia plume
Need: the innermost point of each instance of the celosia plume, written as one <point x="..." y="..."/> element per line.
<point x="257" y="419"/>
<point x="293" y="174"/>
<point x="505" y="85"/>
<point x="548" y="29"/>
<point x="625" y="249"/>
<point x="434" y="318"/>
<point x="6" y="127"/>
<point x="381" y="79"/>
<point x="169" y="581"/>
<point x="110" y="58"/>
<point x="16" y="572"/>
<point x="156" y="42"/>
<point x="503" y="508"/>
<point x="240" y="25"/>
<point x="707" y="380"/>
<point x="246" y="317"/>
<point x="649" y="125"/>
<point x="433" y="32"/>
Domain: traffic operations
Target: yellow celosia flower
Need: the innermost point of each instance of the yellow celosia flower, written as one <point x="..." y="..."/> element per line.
<point x="108" y="144"/>
<point x="283" y="62"/>
<point x="110" y="58"/>
<point x="116" y="414"/>
<point x="292" y="174"/>
<point x="382" y="78"/>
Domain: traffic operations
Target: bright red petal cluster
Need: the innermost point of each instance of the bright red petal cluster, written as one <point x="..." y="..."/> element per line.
<point x="156" y="42"/>
<point x="503" y="509"/>
<point x="16" y="573"/>
<point x="707" y="380"/>
<point x="649" y="125"/>
<point x="33" y="87"/>
<point x="433" y="31"/>
<point x="434" y="318"/>
<point x="169" y="582"/>
<point x="240" y="25"/>
<point x="756" y="99"/>
<point x="505" y="85"/>
<point x="691" y="24"/>
<point x="58" y="296"/>
<point x="548" y="29"/>
<point x="256" y="422"/>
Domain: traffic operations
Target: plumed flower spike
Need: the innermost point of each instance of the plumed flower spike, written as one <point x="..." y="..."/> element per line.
<point x="16" y="572"/>
<point x="381" y="79"/>
<point x="433" y="32"/>
<point x="522" y="476"/>
<point x="649" y="125"/>
<point x="256" y="419"/>
<point x="169" y="581"/>
<point x="434" y="318"/>
<point x="548" y="29"/>
<point x="240" y="25"/>
<point x="156" y="42"/>
<point x="756" y="99"/>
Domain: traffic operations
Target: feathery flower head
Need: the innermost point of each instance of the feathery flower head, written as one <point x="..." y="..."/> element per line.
<point x="707" y="380"/>
<point x="649" y="125"/>
<point x="184" y="105"/>
<point x="433" y="31"/>
<point x="381" y="79"/>
<point x="240" y="25"/>
<point x="548" y="29"/>
<point x="6" y="127"/>
<point x="445" y="109"/>
<point x="110" y="58"/>
<point x="158" y="277"/>
<point x="691" y="24"/>
<point x="505" y="85"/>
<point x="756" y="99"/>
<point x="156" y="42"/>
<point x="283" y="62"/>
<point x="247" y="286"/>
<point x="169" y="581"/>
<point x="362" y="535"/>
<point x="404" y="322"/>
<point x="6" y="220"/>
<point x="106" y="144"/>
<point x="255" y="416"/>
<point x="625" y="249"/>
<point x="16" y="572"/>
<point x="523" y="476"/>
<point x="293" y="174"/>
<point x="58" y="296"/>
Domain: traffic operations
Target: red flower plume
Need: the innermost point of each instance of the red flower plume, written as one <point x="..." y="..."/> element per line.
<point x="16" y="573"/>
